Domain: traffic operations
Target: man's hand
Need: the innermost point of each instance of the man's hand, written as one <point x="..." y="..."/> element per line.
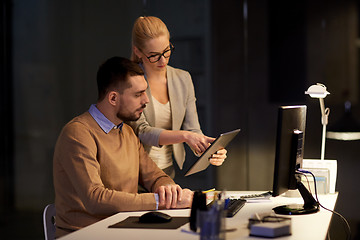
<point x="172" y="196"/>
<point x="169" y="195"/>
<point x="218" y="158"/>
<point x="186" y="200"/>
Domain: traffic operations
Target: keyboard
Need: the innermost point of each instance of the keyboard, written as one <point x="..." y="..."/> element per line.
<point x="257" y="196"/>
<point x="233" y="206"/>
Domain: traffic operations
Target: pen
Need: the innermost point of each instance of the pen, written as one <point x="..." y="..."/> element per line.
<point x="187" y="231"/>
<point x="210" y="190"/>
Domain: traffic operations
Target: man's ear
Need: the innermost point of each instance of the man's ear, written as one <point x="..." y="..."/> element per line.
<point x="113" y="97"/>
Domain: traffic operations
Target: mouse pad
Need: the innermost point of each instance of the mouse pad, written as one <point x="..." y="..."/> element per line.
<point x="133" y="222"/>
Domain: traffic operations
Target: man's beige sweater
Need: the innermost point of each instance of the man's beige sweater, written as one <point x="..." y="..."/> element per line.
<point x="96" y="174"/>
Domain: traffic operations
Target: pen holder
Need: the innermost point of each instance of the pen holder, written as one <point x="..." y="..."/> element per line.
<point x="212" y="222"/>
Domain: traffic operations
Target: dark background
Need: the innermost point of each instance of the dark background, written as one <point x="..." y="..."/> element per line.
<point x="246" y="59"/>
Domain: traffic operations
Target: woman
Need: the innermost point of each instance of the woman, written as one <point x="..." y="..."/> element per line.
<point x="170" y="119"/>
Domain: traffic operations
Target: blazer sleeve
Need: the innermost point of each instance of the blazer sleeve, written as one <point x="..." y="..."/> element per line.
<point x="147" y="134"/>
<point x="183" y="104"/>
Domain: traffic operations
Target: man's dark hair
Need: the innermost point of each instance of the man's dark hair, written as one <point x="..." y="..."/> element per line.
<point x="113" y="74"/>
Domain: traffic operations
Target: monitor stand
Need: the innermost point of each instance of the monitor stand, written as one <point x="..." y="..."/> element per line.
<point x="310" y="204"/>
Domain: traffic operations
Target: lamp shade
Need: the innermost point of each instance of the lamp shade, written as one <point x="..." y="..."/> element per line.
<point x="317" y="91"/>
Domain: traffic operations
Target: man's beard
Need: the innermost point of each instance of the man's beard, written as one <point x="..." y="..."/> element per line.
<point x="130" y="117"/>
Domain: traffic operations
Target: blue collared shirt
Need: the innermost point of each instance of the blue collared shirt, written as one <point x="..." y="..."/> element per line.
<point x="106" y="125"/>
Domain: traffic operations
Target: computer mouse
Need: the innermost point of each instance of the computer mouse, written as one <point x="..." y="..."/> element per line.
<point x="154" y="217"/>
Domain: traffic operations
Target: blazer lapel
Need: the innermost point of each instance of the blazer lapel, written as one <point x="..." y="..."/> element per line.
<point x="174" y="100"/>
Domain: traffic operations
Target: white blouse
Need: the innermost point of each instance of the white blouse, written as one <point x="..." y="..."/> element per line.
<point x="162" y="156"/>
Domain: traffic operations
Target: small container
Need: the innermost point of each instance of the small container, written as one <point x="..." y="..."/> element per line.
<point x="212" y="222"/>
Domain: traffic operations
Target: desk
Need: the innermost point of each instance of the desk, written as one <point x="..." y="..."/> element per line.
<point x="312" y="226"/>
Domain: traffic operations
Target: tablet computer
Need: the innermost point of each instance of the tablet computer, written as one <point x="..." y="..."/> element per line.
<point x="220" y="142"/>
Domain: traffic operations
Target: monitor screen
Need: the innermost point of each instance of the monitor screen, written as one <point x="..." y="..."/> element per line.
<point x="289" y="147"/>
<point x="288" y="159"/>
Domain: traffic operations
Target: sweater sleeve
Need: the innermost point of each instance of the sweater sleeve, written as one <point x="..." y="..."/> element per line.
<point x="151" y="176"/>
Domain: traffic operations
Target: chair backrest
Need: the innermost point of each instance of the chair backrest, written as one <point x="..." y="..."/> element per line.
<point x="49" y="222"/>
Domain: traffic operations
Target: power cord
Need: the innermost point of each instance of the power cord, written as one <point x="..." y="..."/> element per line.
<point x="347" y="226"/>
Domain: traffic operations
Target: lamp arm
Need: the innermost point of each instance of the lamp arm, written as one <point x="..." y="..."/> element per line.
<point x="324" y="112"/>
<point x="323" y="142"/>
<point x="324" y="121"/>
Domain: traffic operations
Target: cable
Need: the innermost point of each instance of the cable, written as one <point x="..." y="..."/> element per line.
<point x="302" y="171"/>
<point x="307" y="180"/>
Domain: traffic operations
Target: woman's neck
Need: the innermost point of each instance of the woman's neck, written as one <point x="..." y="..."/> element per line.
<point x="151" y="74"/>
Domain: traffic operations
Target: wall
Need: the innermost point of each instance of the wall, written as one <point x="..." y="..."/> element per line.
<point x="333" y="59"/>
<point x="245" y="87"/>
<point x="58" y="46"/>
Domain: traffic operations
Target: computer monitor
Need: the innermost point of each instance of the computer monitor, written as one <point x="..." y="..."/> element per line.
<point x="288" y="159"/>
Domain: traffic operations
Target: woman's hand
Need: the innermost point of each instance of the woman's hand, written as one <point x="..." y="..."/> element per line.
<point x="197" y="142"/>
<point x="218" y="158"/>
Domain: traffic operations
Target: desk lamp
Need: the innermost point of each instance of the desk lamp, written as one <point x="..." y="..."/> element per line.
<point x="319" y="91"/>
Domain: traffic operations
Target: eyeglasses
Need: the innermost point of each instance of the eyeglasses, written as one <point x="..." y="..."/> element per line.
<point x="156" y="57"/>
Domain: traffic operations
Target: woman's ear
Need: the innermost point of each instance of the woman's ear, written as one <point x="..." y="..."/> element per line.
<point x="137" y="52"/>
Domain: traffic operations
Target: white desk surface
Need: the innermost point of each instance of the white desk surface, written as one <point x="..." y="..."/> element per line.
<point x="311" y="226"/>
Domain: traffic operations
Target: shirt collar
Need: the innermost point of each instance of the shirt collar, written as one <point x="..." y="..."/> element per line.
<point x="105" y="124"/>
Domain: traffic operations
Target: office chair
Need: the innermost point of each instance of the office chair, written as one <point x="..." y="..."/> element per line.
<point x="49" y="221"/>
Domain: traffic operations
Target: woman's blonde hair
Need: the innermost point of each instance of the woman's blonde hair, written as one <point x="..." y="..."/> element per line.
<point x="146" y="28"/>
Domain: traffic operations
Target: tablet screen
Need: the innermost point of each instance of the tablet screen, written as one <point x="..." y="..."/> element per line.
<point x="220" y="142"/>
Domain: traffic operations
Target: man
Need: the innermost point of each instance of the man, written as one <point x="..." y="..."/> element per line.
<point x="99" y="161"/>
